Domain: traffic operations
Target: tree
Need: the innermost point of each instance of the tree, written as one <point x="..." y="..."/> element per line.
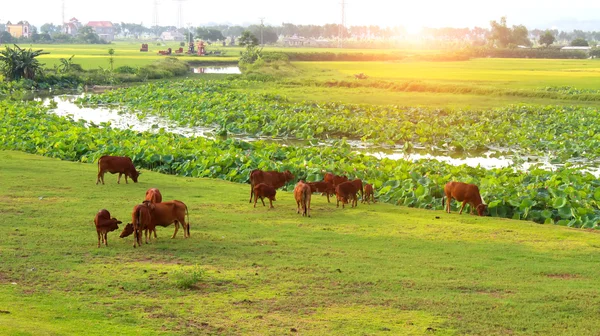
<point x="209" y="34"/>
<point x="50" y="28"/>
<point x="268" y="33"/>
<point x="579" y="42"/>
<point x="88" y="35"/>
<point x="547" y="38"/>
<point x="503" y="36"/>
<point x="17" y="63"/>
<point x="5" y="37"/>
<point x="519" y="36"/>
<point x="248" y="39"/>
<point x="111" y="59"/>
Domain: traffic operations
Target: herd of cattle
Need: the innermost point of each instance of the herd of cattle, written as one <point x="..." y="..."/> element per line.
<point x="154" y="212"/>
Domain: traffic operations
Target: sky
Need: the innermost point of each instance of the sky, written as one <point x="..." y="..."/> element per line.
<point x="411" y="14"/>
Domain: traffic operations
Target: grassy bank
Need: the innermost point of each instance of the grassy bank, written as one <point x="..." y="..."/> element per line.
<point x="375" y="269"/>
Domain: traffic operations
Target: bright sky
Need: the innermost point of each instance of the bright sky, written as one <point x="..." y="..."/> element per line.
<point x="411" y="14"/>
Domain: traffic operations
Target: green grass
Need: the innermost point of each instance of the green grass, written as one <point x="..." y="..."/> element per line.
<point x="378" y="269"/>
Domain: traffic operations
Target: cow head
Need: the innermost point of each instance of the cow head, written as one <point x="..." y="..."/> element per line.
<point x="134" y="175"/>
<point x="288" y="175"/>
<point x="482" y="209"/>
<point x="127" y="231"/>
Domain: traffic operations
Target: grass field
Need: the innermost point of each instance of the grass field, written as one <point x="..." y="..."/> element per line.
<point x="378" y="269"/>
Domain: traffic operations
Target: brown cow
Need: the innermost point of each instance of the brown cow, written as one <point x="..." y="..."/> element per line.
<point x="302" y="194"/>
<point x="261" y="191"/>
<point x="104" y="225"/>
<point x="271" y="178"/>
<point x="117" y="164"/>
<point x="322" y="187"/>
<point x="334" y="179"/>
<point x="147" y="216"/>
<point x="369" y="194"/>
<point x="153" y="195"/>
<point x="346" y="192"/>
<point x="466" y="193"/>
<point x="359" y="187"/>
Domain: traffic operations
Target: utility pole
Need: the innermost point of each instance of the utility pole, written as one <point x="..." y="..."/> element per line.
<point x="180" y="14"/>
<point x="262" y="25"/>
<point x="155" y="16"/>
<point x="342" y="25"/>
<point x="63" y="14"/>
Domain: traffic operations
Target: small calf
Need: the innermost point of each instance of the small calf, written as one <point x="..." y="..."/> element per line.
<point x="346" y="192"/>
<point x="369" y="194"/>
<point x="104" y="225"/>
<point x="302" y="194"/>
<point x="153" y="195"/>
<point x="322" y="187"/>
<point x="263" y="190"/>
<point x="465" y="193"/>
<point x="359" y="186"/>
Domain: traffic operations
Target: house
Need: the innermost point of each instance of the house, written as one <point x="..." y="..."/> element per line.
<point x="576" y="48"/>
<point x="172" y="36"/>
<point x="299" y="41"/>
<point x="104" y="29"/>
<point x="72" y="27"/>
<point x="20" y="29"/>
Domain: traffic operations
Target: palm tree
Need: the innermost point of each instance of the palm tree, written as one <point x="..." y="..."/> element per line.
<point x="17" y="63"/>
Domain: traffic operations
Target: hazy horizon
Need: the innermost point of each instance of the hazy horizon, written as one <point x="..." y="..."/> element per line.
<point x="578" y="14"/>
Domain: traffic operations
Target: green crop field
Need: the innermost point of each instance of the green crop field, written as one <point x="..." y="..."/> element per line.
<point x="377" y="269"/>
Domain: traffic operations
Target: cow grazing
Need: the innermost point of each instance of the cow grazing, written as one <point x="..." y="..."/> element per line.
<point x="359" y="187"/>
<point x="369" y="194"/>
<point x="302" y="194"/>
<point x="104" y="225"/>
<point x="117" y="164"/>
<point x="466" y="193"/>
<point x="334" y="179"/>
<point x="153" y="195"/>
<point x="263" y="190"/>
<point x="147" y="216"/>
<point x="271" y="178"/>
<point x="322" y="187"/>
<point x="346" y="192"/>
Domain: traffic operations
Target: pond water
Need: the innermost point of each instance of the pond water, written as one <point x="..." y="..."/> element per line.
<point x="231" y="70"/>
<point x="493" y="158"/>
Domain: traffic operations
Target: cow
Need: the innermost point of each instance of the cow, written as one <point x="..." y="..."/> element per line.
<point x="147" y="216"/>
<point x="334" y="179"/>
<point x="105" y="224"/>
<point x="369" y="194"/>
<point x="346" y="192"/>
<point x="322" y="187"/>
<point x="153" y="195"/>
<point x="263" y="190"/>
<point x="271" y="178"/>
<point x="466" y="193"/>
<point x="359" y="187"/>
<point x="117" y="164"/>
<point x="302" y="194"/>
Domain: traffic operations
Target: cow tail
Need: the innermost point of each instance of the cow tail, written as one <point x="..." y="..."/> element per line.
<point x="443" y="197"/>
<point x="188" y="220"/>
<point x="138" y="230"/>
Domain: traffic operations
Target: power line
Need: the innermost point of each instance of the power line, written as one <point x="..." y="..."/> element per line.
<point x="155" y="14"/>
<point x="180" y="13"/>
<point x="342" y="25"/>
<point x="63" y="13"/>
<point x="262" y="20"/>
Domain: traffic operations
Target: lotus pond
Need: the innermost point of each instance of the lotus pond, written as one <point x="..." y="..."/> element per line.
<point x="567" y="196"/>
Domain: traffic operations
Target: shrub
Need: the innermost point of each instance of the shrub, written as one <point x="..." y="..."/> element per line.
<point x="186" y="278"/>
<point x="126" y="69"/>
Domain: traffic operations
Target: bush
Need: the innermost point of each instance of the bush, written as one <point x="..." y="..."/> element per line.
<point x="187" y="278"/>
<point x="549" y="53"/>
<point x="126" y="69"/>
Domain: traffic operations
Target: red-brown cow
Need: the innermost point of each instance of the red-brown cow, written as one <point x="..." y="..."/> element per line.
<point x="104" y="225"/>
<point x="147" y="216"/>
<point x="466" y="193"/>
<point x="263" y="190"/>
<point x="153" y="195"/>
<point x="117" y="164"/>
<point x="346" y="192"/>
<point x="334" y="179"/>
<point x="302" y="194"/>
<point x="359" y="187"/>
<point x="369" y="194"/>
<point x="271" y="178"/>
<point x="322" y="187"/>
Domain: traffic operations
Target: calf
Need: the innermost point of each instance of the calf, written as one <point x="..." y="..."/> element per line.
<point x="147" y="216"/>
<point x="104" y="225"/>
<point x="334" y="179"/>
<point x="153" y="195"/>
<point x="359" y="186"/>
<point x="302" y="194"/>
<point x="346" y="192"/>
<point x="322" y="187"/>
<point x="117" y="164"/>
<point x="271" y="178"/>
<point x="466" y="193"/>
<point x="369" y="194"/>
<point x="263" y="190"/>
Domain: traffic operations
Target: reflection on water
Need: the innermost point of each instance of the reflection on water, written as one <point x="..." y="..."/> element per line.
<point x="493" y="158"/>
<point x="232" y="70"/>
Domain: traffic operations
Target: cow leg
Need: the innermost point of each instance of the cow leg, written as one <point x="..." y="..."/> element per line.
<point x="184" y="226"/>
<point x="176" y="229"/>
<point x="262" y="199"/>
<point x="255" y="200"/>
<point x="298" y="207"/>
<point x="126" y="179"/>
<point x="462" y="207"/>
<point x="251" y="193"/>
<point x="98" y="177"/>
<point x="155" y="233"/>
<point x="105" y="238"/>
<point x="119" y="179"/>
<point x="271" y="202"/>
<point x="98" y="238"/>
<point x="337" y="201"/>
<point x="328" y="201"/>
<point x="448" y="204"/>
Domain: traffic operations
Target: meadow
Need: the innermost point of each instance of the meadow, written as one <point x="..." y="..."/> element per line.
<point x="376" y="269"/>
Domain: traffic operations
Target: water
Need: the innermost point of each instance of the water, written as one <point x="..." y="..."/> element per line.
<point x="228" y="70"/>
<point x="493" y="158"/>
